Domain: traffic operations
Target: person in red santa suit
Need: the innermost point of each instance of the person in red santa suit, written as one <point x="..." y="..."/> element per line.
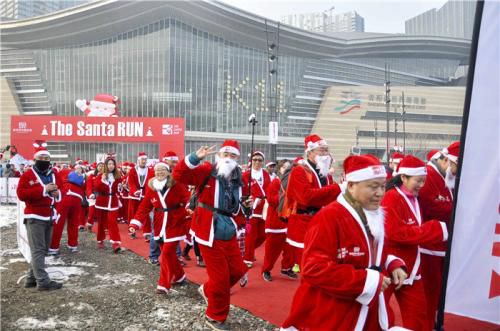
<point x="345" y="267"/>
<point x="70" y="209"/>
<point x="168" y="200"/>
<point x="124" y="193"/>
<point x="107" y="186"/>
<point x="90" y="192"/>
<point x="436" y="200"/>
<point x="394" y="160"/>
<point x="276" y="229"/>
<point x="171" y="159"/>
<point x="309" y="189"/>
<point x="260" y="182"/>
<point x="216" y="223"/>
<point x="138" y="177"/>
<point x="405" y="232"/>
<point x="39" y="189"/>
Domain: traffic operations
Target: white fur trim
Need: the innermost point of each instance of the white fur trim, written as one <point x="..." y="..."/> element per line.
<point x="319" y="143"/>
<point x="189" y="164"/>
<point x="136" y="223"/>
<point x="39" y="153"/>
<point x="422" y="171"/>
<point x="390" y="259"/>
<point x="370" y="288"/>
<point x="275" y="231"/>
<point x="74" y="194"/>
<point x="229" y="149"/>
<point x="445" y="230"/>
<point x="294" y="243"/>
<point x="433" y="253"/>
<point x="368" y="173"/>
<point x="170" y="158"/>
<point x="160" y="164"/>
<point x="290" y="328"/>
<point x="452" y="158"/>
<point x="142" y="157"/>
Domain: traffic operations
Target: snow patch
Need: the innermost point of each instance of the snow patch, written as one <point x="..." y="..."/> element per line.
<point x="30" y="323"/>
<point x="15" y="261"/>
<point x="120" y="279"/>
<point x="12" y="251"/>
<point x="63" y="273"/>
<point x="8" y="216"/>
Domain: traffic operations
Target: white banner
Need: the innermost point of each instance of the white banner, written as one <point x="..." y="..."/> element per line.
<point x="273" y="133"/>
<point x="22" y="233"/>
<point x="474" y="277"/>
<point x="8" y="188"/>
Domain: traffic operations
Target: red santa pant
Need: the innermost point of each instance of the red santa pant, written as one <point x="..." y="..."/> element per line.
<point x="133" y="205"/>
<point x="255" y="238"/>
<point x="275" y="245"/>
<point x="106" y="219"/>
<point x="412" y="304"/>
<point x="170" y="268"/>
<point x="224" y="267"/>
<point x="91" y="215"/>
<point x="432" y="274"/>
<point x="70" y="208"/>
<point x="124" y="210"/>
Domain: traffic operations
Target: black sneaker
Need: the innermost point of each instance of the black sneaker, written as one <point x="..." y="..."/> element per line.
<point x="289" y="273"/>
<point x="30" y="283"/>
<point x="216" y="325"/>
<point x="153" y="261"/>
<point x="267" y="276"/>
<point x="50" y="286"/>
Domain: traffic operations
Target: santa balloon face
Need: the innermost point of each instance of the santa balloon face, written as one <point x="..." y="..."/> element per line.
<point x="103" y="105"/>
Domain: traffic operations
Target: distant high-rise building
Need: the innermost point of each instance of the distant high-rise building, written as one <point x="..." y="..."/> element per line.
<point x="19" y="9"/>
<point x="326" y="22"/>
<point x="453" y="19"/>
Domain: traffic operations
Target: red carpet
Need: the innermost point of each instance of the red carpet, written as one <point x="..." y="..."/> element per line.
<point x="271" y="301"/>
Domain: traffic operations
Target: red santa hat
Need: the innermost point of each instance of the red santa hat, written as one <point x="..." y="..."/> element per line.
<point x="271" y="164"/>
<point x="411" y="166"/>
<point x="170" y="156"/>
<point x="230" y="146"/>
<point x="433" y="154"/>
<point x="78" y="161"/>
<point x="161" y="165"/>
<point x="142" y="155"/>
<point x="299" y="160"/>
<point x="396" y="157"/>
<point x="40" y="149"/>
<point x="314" y="141"/>
<point x="93" y="166"/>
<point x="358" y="168"/>
<point x="452" y="151"/>
<point x="259" y="153"/>
<point x="131" y="164"/>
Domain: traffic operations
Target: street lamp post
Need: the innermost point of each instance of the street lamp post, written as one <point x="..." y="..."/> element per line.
<point x="387" y="85"/>
<point x="403" y="118"/>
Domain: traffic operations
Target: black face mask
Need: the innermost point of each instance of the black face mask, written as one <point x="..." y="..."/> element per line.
<point x="42" y="165"/>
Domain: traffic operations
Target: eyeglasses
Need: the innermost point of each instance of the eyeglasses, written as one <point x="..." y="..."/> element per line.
<point x="257" y="160"/>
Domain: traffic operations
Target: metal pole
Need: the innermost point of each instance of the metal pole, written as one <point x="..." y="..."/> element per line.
<point x="387" y="105"/>
<point x="376" y="137"/>
<point x="403" y="114"/>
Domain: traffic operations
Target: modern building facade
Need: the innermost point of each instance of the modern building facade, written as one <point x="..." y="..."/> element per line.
<point x="208" y="63"/>
<point x="20" y="9"/>
<point x="454" y="19"/>
<point x="327" y="22"/>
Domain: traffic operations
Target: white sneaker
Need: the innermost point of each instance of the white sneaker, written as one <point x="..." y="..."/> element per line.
<point x="73" y="249"/>
<point x="202" y="293"/>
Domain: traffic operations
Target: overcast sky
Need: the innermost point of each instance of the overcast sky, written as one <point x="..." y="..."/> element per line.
<point x="380" y="15"/>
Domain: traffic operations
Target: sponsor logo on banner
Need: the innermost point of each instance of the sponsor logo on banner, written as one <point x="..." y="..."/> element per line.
<point x="22" y="127"/>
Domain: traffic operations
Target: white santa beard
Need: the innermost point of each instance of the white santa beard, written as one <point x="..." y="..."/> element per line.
<point x="159" y="184"/>
<point x="225" y="167"/>
<point x="375" y="220"/>
<point x="449" y="179"/>
<point x="323" y="164"/>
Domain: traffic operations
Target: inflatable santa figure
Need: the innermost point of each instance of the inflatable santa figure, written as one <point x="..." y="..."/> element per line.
<point x="103" y="105"/>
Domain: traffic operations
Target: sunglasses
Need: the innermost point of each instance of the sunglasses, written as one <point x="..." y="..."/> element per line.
<point x="257" y="160"/>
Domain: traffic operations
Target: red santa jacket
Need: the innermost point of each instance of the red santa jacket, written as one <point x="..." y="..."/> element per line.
<point x="202" y="225"/>
<point x="273" y="223"/>
<point x="405" y="231"/>
<point x="258" y="192"/>
<point x="436" y="201"/>
<point x="39" y="204"/>
<point x="306" y="192"/>
<point x="169" y="212"/>
<point x="339" y="291"/>
<point x="124" y="193"/>
<point x="135" y="185"/>
<point x="107" y="193"/>
<point x="74" y="190"/>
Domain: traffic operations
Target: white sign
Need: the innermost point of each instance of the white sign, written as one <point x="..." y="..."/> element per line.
<point x="473" y="288"/>
<point x="273" y="133"/>
<point x="8" y="188"/>
<point x="22" y="233"/>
